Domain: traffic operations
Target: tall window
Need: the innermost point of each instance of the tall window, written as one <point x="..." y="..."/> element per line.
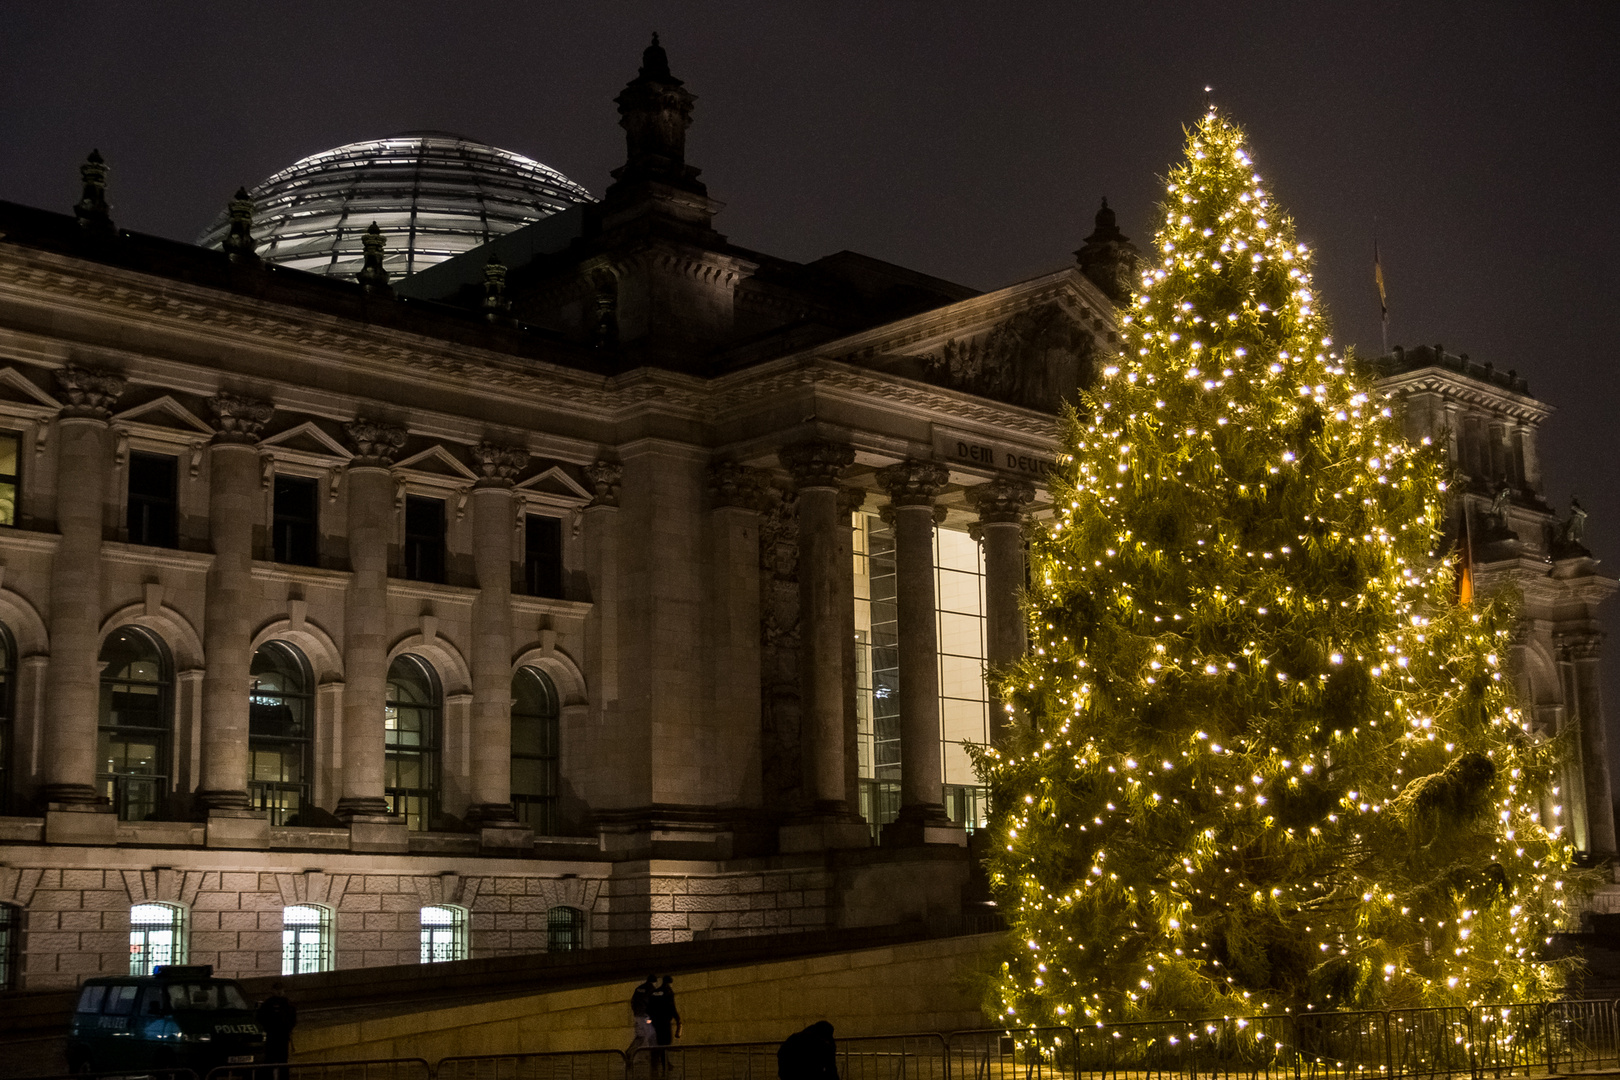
<point x="877" y="671"/>
<point x="542" y="555"/>
<point x="153" y="505"/>
<point x="424" y="538"/>
<point x="8" y="726"/>
<point x="411" y="776"/>
<point x="10" y="946"/>
<point x="565" y="929"/>
<point x="136" y="688"/>
<point x="296" y="524"/>
<point x="964" y="703"/>
<point x="279" y="729"/>
<point x="444" y="934"/>
<point x="306" y="939"/>
<point x="9" y="481"/>
<point x="157" y="935"/>
<point x="534" y="750"/>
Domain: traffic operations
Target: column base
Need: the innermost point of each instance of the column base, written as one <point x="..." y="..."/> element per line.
<point x="370" y="806"/>
<point x="923" y="823"/>
<point x="70" y="795"/>
<point x="507" y="837"/>
<point x="823" y="836"/>
<point x="205" y="801"/>
<point x="238" y="828"/>
<point x="76" y="823"/>
<point x="378" y="833"/>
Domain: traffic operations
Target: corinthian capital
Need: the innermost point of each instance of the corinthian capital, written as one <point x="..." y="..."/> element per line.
<point x="1579" y="644"/>
<point x="374" y="443"/>
<point x="1001" y="500"/>
<point x="499" y="465"/>
<point x="913" y="483"/>
<point x="239" y="419"/>
<point x="731" y="484"/>
<point x="88" y="393"/>
<point x="816" y="463"/>
<point x="605" y="477"/>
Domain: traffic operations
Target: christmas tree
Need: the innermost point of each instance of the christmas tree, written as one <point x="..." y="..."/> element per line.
<point x="1267" y="757"/>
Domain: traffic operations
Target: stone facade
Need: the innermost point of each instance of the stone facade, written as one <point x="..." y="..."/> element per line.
<point x="686" y="425"/>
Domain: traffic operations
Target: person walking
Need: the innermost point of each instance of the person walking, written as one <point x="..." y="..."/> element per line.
<point x="811" y="1054"/>
<point x="640" y="1019"/>
<point x="277" y="1016"/>
<point x="666" y="1021"/>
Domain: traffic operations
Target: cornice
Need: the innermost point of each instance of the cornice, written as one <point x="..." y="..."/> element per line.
<point x="196" y="562"/>
<point x="1459" y="387"/>
<point x="12" y="539"/>
<point x="546" y="605"/>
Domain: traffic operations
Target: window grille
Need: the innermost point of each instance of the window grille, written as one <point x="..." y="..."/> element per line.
<point x="411" y="731"/>
<point x="424" y="538"/>
<point x="153" y="505"/>
<point x="444" y="934"/>
<point x="10" y="462"/>
<point x="295" y="530"/>
<point x="306" y="939"/>
<point x="565" y="929"/>
<point x="542" y="555"/>
<point x="279" y="728"/>
<point x="157" y="935"/>
<point x="10" y="946"/>
<point x="135" y="724"/>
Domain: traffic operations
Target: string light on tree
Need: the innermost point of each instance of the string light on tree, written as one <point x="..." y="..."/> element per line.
<point x="1270" y="761"/>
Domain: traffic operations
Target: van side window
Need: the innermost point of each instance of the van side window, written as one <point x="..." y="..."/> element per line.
<point x="121" y="999"/>
<point x="152" y="1001"/>
<point x="90" y="1000"/>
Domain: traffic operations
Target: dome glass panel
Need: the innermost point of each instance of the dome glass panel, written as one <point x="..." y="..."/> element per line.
<point x="432" y="194"/>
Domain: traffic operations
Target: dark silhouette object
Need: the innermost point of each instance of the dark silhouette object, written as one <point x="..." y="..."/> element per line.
<point x="666" y="1021"/>
<point x="640" y="1018"/>
<point x="1109" y="259"/>
<point x="277" y="1016"/>
<point x="95" y="216"/>
<point x="811" y="1054"/>
<point x="372" y="277"/>
<point x="239" y="243"/>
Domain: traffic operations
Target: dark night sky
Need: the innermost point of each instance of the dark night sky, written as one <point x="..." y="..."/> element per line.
<point x="967" y="140"/>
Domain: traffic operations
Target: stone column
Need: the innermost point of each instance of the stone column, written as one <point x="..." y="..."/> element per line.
<point x="736" y="497"/>
<point x="235" y="502"/>
<point x="849" y="501"/>
<point x="492" y="636"/>
<point x="912" y="487"/>
<point x="1001" y="530"/>
<point x="1578" y="653"/>
<point x="365" y="619"/>
<point x="816" y="467"/>
<point x="597" y="769"/>
<point x="73" y="684"/>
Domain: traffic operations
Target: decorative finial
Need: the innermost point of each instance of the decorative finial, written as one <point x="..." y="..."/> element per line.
<point x="94" y="215"/>
<point x="372" y="275"/>
<point x="239" y="243"/>
<point x="496" y="305"/>
<point x="654" y="61"/>
<point x="1108" y="258"/>
<point x="655" y="109"/>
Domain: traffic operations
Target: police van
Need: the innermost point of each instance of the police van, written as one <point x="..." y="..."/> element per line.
<point x="177" y="1017"/>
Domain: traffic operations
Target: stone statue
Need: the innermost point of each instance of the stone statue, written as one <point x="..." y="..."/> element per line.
<point x="1499" y="505"/>
<point x="1574" y="531"/>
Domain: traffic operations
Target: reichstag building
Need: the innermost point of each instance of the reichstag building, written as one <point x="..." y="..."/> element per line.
<point x="437" y="561"/>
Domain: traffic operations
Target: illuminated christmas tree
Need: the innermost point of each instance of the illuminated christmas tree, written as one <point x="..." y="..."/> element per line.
<point x="1268" y="757"/>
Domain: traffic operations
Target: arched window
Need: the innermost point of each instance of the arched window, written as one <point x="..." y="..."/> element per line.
<point x="279" y="731"/>
<point x="157" y="935"/>
<point x="444" y="934"/>
<point x="306" y="939"/>
<point x="411" y="777"/>
<point x="565" y="929"/>
<point x="10" y="946"/>
<point x="534" y="750"/>
<point x="136" y="690"/>
<point x="8" y="727"/>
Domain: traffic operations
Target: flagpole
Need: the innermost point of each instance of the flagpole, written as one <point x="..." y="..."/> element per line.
<point x="1378" y="279"/>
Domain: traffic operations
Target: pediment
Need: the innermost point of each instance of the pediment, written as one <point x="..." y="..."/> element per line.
<point x="18" y="394"/>
<point x="1033" y="344"/>
<point x="306" y="439"/>
<point x="436" y="461"/>
<point x="556" y="483"/>
<point x="165" y="413"/>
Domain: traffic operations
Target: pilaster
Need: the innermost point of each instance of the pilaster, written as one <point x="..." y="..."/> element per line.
<point x="1578" y="655"/>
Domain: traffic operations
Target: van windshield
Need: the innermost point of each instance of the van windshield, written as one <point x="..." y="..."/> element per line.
<point x="205" y="996"/>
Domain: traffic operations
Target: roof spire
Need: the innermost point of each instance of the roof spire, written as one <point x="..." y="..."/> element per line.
<point x="94" y="215"/>
<point x="655" y="109"/>
<point x="1108" y="258"/>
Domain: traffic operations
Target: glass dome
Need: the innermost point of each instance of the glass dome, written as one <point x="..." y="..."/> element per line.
<point x="433" y="194"/>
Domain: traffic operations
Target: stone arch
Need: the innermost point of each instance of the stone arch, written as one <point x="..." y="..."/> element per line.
<point x="455" y="677"/>
<point x="174" y="629"/>
<point x="324" y="656"/>
<point x="27" y="628"/>
<point x="560" y="669"/>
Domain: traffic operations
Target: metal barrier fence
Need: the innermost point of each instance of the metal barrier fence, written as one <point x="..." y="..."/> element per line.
<point x="1492" y="1042"/>
<point x="369" y="1069"/>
